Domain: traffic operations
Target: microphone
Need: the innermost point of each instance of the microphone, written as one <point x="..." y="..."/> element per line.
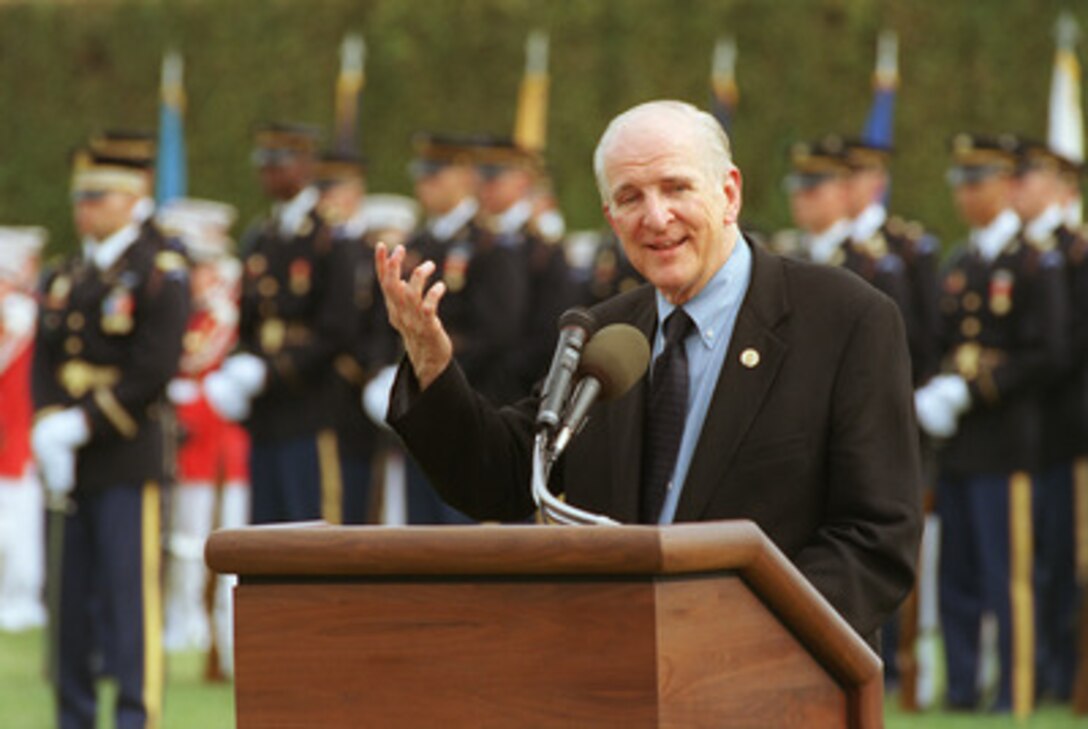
<point x="576" y="326"/>
<point x="613" y="361"/>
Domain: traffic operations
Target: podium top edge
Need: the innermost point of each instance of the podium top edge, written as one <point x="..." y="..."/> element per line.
<point x="317" y="548"/>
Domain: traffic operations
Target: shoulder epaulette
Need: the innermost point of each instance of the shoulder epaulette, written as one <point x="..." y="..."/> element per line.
<point x="1050" y="243"/>
<point x="927" y="244"/>
<point x="890" y="263"/>
<point x="876" y="247"/>
<point x="1052" y="258"/>
<point x="896" y="225"/>
<point x="170" y="261"/>
<point x="786" y="242"/>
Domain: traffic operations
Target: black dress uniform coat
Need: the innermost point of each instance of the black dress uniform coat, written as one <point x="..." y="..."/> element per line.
<point x="1004" y="330"/>
<point x="109" y="341"/>
<point x="551" y="290"/>
<point x="815" y="442"/>
<point x="485" y="305"/>
<point x="297" y="314"/>
<point x="1065" y="398"/>
<point x="875" y="263"/>
<point x="919" y="252"/>
<point x="610" y="273"/>
<point x="373" y="346"/>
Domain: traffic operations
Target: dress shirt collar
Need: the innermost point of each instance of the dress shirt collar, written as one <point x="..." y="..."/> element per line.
<point x="1073" y="212"/>
<point x="868" y="222"/>
<point x="822" y="246"/>
<point x="103" y="254"/>
<point x="513" y="218"/>
<point x="143" y="210"/>
<point x="990" y="240"/>
<point x="1043" y="225"/>
<point x="357" y="225"/>
<point x="292" y="213"/>
<point x="710" y="307"/>
<point x="445" y="226"/>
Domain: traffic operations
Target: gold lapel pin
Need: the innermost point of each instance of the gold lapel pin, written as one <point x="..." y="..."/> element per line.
<point x="749" y="358"/>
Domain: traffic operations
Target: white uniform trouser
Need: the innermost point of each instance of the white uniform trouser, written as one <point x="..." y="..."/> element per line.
<point x="193" y="516"/>
<point x="22" y="553"/>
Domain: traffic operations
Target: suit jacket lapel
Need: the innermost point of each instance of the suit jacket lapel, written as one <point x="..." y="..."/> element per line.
<point x="625" y="429"/>
<point x="741" y="388"/>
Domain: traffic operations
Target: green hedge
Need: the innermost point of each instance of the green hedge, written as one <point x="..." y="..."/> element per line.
<point x="804" y="68"/>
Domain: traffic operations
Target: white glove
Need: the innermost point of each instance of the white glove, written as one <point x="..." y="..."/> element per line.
<point x="225" y="396"/>
<point x="939" y="404"/>
<point x="55" y="439"/>
<point x="248" y="371"/>
<point x="376" y="395"/>
<point x="183" y="391"/>
<point x="18" y="313"/>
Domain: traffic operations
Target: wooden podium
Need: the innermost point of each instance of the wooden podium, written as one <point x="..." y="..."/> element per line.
<point x="687" y="626"/>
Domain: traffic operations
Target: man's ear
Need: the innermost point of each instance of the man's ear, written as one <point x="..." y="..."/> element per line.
<point x="732" y="187"/>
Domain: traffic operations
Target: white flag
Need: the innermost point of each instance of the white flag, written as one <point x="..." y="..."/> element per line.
<point x="1065" y="123"/>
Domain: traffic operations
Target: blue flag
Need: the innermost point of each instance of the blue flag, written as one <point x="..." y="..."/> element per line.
<point x="171" y="172"/>
<point x="881" y="120"/>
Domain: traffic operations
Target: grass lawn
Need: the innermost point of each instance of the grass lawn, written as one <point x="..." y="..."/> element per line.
<point x="26" y="702"/>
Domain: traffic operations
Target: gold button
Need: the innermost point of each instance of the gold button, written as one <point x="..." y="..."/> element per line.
<point x="75" y="321"/>
<point x="972" y="301"/>
<point x="256" y="264"/>
<point x="267" y="286"/>
<point x="970" y="327"/>
<point x="749" y="358"/>
<point x="73" y="345"/>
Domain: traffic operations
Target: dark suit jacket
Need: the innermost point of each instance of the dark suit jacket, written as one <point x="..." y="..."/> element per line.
<point x="817" y="443"/>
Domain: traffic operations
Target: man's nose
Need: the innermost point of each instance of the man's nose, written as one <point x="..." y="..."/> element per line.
<point x="656" y="214"/>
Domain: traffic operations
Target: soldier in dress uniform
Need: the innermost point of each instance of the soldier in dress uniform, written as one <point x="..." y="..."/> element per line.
<point x="818" y="185"/>
<point x="297" y="316"/>
<point x="109" y="339"/>
<point x="873" y="229"/>
<point x="341" y="180"/>
<point x="22" y="539"/>
<point x="1002" y="334"/>
<point x="488" y="296"/>
<point x="212" y="489"/>
<point x="1038" y="201"/>
<point x="508" y="180"/>
<point x="487" y="289"/>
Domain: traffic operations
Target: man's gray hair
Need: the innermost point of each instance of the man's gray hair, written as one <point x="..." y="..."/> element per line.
<point x="709" y="137"/>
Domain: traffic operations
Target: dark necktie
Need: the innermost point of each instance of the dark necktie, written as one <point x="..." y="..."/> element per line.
<point x="665" y="412"/>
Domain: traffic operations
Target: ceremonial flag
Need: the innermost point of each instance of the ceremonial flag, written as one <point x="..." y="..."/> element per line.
<point x="1065" y="122"/>
<point x="349" y="94"/>
<point x="171" y="173"/>
<point x="724" y="93"/>
<point x="880" y="123"/>
<point x="531" y="121"/>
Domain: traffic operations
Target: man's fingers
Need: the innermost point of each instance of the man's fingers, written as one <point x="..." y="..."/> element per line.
<point x="388" y="266"/>
<point x="434" y="295"/>
<point x="419" y="278"/>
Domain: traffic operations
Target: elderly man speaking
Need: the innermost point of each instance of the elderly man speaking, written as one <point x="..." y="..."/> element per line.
<point x="780" y="391"/>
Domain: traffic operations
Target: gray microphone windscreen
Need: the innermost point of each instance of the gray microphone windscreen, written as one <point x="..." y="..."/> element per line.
<point x="578" y="317"/>
<point x="617" y="356"/>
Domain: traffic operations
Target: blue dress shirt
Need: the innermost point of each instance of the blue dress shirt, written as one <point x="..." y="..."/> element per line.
<point x="714" y="311"/>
